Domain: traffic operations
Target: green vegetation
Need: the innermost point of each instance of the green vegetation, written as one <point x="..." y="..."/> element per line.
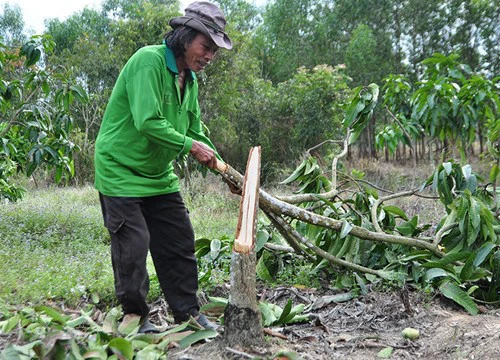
<point x="54" y="248"/>
<point x="315" y="83"/>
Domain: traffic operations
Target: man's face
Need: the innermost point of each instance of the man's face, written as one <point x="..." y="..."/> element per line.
<point x="200" y="52"/>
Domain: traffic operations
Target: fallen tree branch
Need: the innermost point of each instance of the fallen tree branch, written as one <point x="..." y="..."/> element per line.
<point x="318" y="251"/>
<point x="273" y="205"/>
<point x="302" y="198"/>
<point x="287" y="236"/>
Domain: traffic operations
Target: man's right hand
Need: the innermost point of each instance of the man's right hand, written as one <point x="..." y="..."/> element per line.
<point x="204" y="154"/>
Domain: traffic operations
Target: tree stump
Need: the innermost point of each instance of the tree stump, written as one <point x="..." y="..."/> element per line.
<point x="242" y="318"/>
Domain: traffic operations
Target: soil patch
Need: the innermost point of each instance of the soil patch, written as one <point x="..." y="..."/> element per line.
<point x="358" y="329"/>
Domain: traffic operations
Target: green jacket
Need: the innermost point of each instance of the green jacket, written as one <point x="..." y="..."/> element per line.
<point x="145" y="127"/>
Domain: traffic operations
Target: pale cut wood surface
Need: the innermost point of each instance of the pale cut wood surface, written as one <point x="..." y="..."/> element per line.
<point x="245" y="232"/>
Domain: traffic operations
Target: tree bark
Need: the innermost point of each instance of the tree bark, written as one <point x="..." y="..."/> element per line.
<point x="242" y="318"/>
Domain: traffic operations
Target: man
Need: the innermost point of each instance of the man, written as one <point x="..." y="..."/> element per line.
<point x="152" y="118"/>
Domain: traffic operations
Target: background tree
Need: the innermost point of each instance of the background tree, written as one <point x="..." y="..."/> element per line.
<point x="36" y="119"/>
<point x="12" y="25"/>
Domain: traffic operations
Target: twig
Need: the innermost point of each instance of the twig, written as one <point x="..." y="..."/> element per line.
<point x="381" y="200"/>
<point x="440" y="233"/>
<point x="281" y="248"/>
<point x="239" y="353"/>
<point x="337" y="157"/>
<point x="302" y="198"/>
<point x="321" y="144"/>
<point x="270" y="332"/>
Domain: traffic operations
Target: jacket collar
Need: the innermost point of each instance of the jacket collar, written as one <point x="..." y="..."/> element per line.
<point x="172" y="64"/>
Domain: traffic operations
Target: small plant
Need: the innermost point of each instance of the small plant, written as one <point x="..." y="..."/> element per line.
<point x="272" y="314"/>
<point x="214" y="256"/>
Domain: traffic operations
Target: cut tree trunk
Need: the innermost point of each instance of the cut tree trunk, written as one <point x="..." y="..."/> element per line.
<point x="242" y="318"/>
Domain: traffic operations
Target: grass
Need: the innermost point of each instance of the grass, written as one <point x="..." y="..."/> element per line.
<point x="55" y="248"/>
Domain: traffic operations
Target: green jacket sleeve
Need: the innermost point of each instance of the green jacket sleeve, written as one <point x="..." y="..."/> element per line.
<point x="196" y="132"/>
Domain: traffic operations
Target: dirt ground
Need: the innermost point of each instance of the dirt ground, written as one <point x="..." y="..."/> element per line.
<point x="358" y="329"/>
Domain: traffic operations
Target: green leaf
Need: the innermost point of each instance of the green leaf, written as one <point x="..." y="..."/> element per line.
<point x="11" y="353"/>
<point x="447" y="167"/>
<point x="150" y="352"/>
<point x="8" y="325"/>
<point x="77" y="322"/>
<point x="129" y="327"/>
<point x="285" y="312"/>
<point x="494" y="173"/>
<point x="483" y="252"/>
<point x="474" y="212"/>
<point x="346" y="229"/>
<point x="75" y="350"/>
<point x="396" y="211"/>
<point x="54" y="314"/>
<point x="468" y="268"/>
<point x="261" y="239"/>
<point x="297" y="172"/>
<point x="215" y="304"/>
<point x="455" y="293"/>
<point x="448" y="259"/>
<point x="177" y="329"/>
<point x="407" y="228"/>
<point x="385" y="353"/>
<point x="262" y="270"/>
<point x="215" y="246"/>
<point x="294" y="317"/>
<point x="111" y="320"/>
<point x="467" y="171"/>
<point x="267" y="312"/>
<point x="122" y="348"/>
<point x="197" y="336"/>
<point x="433" y="273"/>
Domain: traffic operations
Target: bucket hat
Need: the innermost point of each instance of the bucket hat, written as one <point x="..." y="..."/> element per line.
<point x="206" y="18"/>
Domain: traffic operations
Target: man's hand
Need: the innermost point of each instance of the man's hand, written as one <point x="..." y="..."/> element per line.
<point x="203" y="154"/>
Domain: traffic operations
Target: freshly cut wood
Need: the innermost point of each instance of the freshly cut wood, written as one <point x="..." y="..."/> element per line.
<point x="245" y="232"/>
<point x="242" y="318"/>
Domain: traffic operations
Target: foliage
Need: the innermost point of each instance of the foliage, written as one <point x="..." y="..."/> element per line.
<point x="362" y="57"/>
<point x="468" y="232"/>
<point x="272" y="314"/>
<point x="449" y="105"/>
<point x="36" y="116"/>
<point x="48" y="333"/>
<point x="311" y="102"/>
<point x="214" y="256"/>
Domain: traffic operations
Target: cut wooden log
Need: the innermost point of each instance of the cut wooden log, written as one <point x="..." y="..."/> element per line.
<point x="245" y="232"/>
<point x="242" y="318"/>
